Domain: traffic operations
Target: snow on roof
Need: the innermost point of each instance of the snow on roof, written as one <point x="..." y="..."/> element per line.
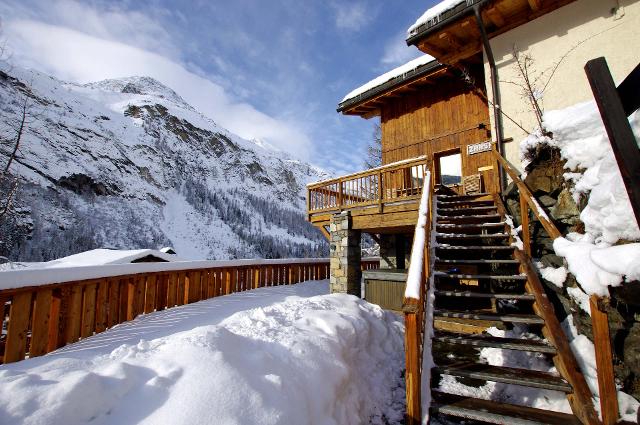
<point x="397" y="72"/>
<point x="434" y="13"/>
<point x="101" y="257"/>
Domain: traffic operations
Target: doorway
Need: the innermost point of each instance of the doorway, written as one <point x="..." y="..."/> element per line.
<point x="448" y="167"/>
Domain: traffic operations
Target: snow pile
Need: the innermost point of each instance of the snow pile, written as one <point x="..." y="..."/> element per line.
<point x="557" y="276"/>
<point x="433" y="14"/>
<point x="271" y="356"/>
<point x="580" y="136"/>
<point x="396" y="72"/>
<point x="585" y="354"/>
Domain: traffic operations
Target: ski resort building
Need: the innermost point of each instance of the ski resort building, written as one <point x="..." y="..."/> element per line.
<point x="451" y="124"/>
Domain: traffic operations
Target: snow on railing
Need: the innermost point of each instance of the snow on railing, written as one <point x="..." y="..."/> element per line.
<point x="414" y="305"/>
<point x="48" y="308"/>
<point x="414" y="277"/>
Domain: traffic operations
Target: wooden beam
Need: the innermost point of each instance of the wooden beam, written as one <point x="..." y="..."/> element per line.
<point x="496" y="17"/>
<point x="623" y="141"/>
<point x="604" y="362"/>
<point x="534" y="5"/>
<point x="451" y="39"/>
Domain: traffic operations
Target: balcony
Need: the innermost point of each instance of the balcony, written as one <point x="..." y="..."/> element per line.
<point x="383" y="199"/>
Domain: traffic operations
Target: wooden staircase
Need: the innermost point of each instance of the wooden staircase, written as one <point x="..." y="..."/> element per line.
<point x="481" y="280"/>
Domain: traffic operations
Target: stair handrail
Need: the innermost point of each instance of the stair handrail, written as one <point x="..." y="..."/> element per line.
<point x="599" y="321"/>
<point x="414" y="304"/>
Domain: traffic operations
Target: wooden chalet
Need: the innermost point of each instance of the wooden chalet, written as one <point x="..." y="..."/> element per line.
<point x="445" y="150"/>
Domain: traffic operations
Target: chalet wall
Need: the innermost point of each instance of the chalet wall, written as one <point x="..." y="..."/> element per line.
<point x="439" y="117"/>
<point x="582" y="30"/>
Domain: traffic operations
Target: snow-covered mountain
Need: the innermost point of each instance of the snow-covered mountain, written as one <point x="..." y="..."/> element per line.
<point x="127" y="163"/>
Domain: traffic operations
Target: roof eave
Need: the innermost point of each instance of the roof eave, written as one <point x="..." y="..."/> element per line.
<point x="389" y="85"/>
<point x="446" y="17"/>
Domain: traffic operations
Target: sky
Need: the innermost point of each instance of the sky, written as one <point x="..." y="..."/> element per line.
<point x="269" y="70"/>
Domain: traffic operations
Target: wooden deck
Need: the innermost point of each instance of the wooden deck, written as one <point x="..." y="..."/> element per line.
<point x="381" y="200"/>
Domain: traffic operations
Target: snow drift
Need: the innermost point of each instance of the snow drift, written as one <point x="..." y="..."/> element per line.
<point x="282" y="355"/>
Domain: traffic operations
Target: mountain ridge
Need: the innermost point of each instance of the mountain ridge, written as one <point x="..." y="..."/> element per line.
<point x="127" y="163"/>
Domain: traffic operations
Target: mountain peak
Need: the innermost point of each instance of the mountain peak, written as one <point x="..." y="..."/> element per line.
<point x="141" y="85"/>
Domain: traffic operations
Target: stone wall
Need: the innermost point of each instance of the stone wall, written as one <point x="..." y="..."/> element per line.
<point x="545" y="179"/>
<point x="345" y="255"/>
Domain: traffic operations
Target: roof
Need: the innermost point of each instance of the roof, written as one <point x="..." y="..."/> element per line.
<point x="101" y="257"/>
<point x="448" y="30"/>
<point x="389" y="80"/>
<point x="441" y="14"/>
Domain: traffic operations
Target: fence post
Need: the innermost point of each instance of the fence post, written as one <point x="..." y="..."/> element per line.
<point x="604" y="362"/>
<point x="623" y="142"/>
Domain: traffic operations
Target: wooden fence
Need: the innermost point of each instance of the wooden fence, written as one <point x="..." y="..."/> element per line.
<point x="40" y="319"/>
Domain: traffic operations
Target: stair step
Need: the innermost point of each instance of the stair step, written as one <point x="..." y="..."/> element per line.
<point x="460" y="197"/>
<point x="488" y="261"/>
<point x="470" y="225"/>
<point x="464" y="211"/>
<point x="469" y="202"/>
<point x="495" y="412"/>
<point x="495" y="342"/>
<point x="468" y="217"/>
<point x="471" y="294"/>
<point x="505" y="375"/>
<point x="531" y="319"/>
<point x="471" y="236"/>
<point x="479" y="276"/>
<point x="476" y="247"/>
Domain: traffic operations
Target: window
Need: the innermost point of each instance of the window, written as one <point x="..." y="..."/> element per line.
<point x="449" y="168"/>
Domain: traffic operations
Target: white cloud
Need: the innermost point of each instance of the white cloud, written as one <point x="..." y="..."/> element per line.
<point x="396" y="52"/>
<point x="74" y="55"/>
<point x="353" y="16"/>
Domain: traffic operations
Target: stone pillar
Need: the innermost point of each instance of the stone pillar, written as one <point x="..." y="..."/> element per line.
<point x="345" y="256"/>
<point x="393" y="252"/>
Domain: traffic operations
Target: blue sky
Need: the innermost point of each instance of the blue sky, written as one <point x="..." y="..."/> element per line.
<point x="273" y="70"/>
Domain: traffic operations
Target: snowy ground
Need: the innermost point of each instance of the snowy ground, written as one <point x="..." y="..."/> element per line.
<point x="277" y="355"/>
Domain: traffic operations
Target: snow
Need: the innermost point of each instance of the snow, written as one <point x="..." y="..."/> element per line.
<point x="416" y="268"/>
<point x="279" y="355"/>
<point x="396" y="72"/>
<point x="101" y="256"/>
<point x="34" y="276"/>
<point x="580" y="136"/>
<point x="584" y="351"/>
<point x="555" y="275"/>
<point x="433" y="14"/>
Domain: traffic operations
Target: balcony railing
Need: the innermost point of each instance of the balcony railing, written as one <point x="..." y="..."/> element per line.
<point x="393" y="183"/>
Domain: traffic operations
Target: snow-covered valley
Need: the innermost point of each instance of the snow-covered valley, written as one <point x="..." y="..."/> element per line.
<point x="127" y="164"/>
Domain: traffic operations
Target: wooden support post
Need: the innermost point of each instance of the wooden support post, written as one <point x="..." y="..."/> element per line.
<point x="524" y="217"/>
<point x="412" y="374"/>
<point x="623" y="142"/>
<point x="88" y="310"/>
<point x="19" y="313"/>
<point x="604" y="362"/>
<point x="74" y="314"/>
<point x="150" y="294"/>
<point x="102" y="305"/>
<point x="114" y="302"/>
<point x="54" y="320"/>
<point x="40" y="326"/>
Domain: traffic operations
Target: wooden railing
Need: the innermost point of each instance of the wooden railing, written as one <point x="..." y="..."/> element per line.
<point x="400" y="181"/>
<point x="565" y="360"/>
<point x="50" y="308"/>
<point x="415" y="306"/>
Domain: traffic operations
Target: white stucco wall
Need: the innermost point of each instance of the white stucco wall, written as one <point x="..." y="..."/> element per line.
<point x="582" y="30"/>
